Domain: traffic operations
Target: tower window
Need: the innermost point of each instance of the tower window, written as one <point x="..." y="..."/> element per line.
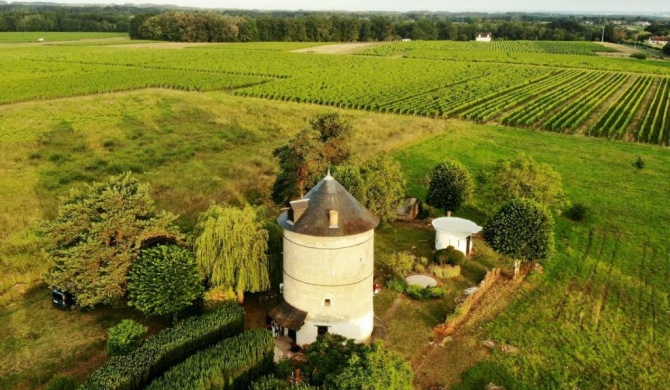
<point x="326" y="302"/>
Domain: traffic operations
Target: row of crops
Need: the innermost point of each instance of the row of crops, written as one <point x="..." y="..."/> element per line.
<point x="620" y="105"/>
<point x="542" y="47"/>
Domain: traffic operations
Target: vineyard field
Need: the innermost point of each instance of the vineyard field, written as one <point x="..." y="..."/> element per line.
<point x="574" y="93"/>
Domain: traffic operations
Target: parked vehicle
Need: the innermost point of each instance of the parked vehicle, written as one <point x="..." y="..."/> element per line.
<point x="63" y="300"/>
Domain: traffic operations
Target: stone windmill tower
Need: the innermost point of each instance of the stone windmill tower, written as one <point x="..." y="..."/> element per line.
<point x="328" y="265"/>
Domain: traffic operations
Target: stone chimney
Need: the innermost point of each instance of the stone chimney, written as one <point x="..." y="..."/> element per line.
<point x="298" y="208"/>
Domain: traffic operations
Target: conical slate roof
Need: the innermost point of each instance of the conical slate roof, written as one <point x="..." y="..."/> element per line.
<point x="327" y="195"/>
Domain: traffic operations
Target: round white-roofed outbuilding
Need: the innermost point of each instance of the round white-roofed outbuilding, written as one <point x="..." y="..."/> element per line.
<point x="456" y="232"/>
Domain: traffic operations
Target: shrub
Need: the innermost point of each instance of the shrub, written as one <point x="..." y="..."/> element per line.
<point x="446" y="271"/>
<point x="122" y="338"/>
<point x="397" y="285"/>
<point x="415" y="291"/>
<point x="434" y="293"/>
<point x="398" y="264"/>
<point x="448" y="255"/>
<point x="639" y="56"/>
<point x="639" y="163"/>
<point x="167" y="348"/>
<point x="61" y="382"/>
<point x="217" y="297"/>
<point x="419" y="293"/>
<point x="230" y="364"/>
<point x="577" y="212"/>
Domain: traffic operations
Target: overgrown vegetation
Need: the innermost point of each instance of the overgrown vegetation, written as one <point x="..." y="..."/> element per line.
<point x="123" y="338"/>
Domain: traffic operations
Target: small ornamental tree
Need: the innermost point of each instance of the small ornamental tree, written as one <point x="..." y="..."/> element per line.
<point x="378" y="183"/>
<point x="451" y="186"/>
<point x="231" y="248"/>
<point x="523" y="230"/>
<point x="309" y="154"/>
<point x="98" y="235"/>
<point x="164" y="281"/>
<point x="523" y="177"/>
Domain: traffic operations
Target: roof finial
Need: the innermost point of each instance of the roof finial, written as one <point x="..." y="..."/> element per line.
<point x="328" y="177"/>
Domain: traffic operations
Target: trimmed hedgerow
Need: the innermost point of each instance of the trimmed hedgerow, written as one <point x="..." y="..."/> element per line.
<point x="167" y="348"/>
<point x="231" y="364"/>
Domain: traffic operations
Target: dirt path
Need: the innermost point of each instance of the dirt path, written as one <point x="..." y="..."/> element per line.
<point x="394" y="307"/>
<point x="342" y="48"/>
<point x="447" y="358"/>
<point x="623" y="50"/>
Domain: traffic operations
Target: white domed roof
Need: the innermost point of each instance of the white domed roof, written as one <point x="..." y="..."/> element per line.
<point x="456" y="225"/>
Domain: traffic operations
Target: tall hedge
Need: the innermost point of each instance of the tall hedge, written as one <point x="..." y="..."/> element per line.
<point x="167" y="348"/>
<point x="229" y="365"/>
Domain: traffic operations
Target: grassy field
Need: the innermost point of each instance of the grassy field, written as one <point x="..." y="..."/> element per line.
<point x="597" y="318"/>
<point x="25" y="37"/>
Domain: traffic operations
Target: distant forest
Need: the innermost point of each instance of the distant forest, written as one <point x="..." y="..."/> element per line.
<point x="186" y="25"/>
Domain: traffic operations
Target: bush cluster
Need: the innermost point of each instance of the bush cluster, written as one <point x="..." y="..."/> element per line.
<point x="448" y="255"/>
<point x="419" y="293"/>
<point x="446" y="271"/>
<point x="230" y="364"/>
<point x="167" y="348"/>
<point x="577" y="212"/>
<point x="122" y="338"/>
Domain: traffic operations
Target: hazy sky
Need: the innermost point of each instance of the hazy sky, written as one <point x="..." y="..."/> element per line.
<point x="636" y="6"/>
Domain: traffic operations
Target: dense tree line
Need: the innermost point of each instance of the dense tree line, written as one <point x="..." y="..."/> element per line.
<point x="215" y="27"/>
<point x="164" y="23"/>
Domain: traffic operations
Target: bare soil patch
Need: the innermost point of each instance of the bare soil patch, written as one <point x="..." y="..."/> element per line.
<point x="342" y="48"/>
<point x="623" y="50"/>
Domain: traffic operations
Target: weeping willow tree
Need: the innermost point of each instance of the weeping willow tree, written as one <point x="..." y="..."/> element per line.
<point x="230" y="248"/>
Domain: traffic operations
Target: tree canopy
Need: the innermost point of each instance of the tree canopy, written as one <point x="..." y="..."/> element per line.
<point x="451" y="186"/>
<point x="666" y="49"/>
<point x="378" y="183"/>
<point x="309" y="154"/>
<point x="164" y="281"/>
<point x="523" y="177"/>
<point x="98" y="235"/>
<point x="337" y="363"/>
<point x="523" y="230"/>
<point x="231" y="248"/>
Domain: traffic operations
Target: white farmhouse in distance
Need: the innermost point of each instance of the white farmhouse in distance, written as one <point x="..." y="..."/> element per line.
<point x="658" y="41"/>
<point x="484" y="37"/>
<point x="328" y="266"/>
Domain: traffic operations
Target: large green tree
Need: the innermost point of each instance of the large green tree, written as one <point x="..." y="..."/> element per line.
<point x="231" y="248"/>
<point x="307" y="156"/>
<point x="378" y="183"/>
<point x="523" y="177"/>
<point x="98" y="235"/>
<point x="451" y="186"/>
<point x="523" y="230"/>
<point x="338" y="363"/>
<point x="666" y="49"/>
<point x="164" y="281"/>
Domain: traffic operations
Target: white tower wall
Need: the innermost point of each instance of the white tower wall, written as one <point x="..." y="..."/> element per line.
<point x="339" y="269"/>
